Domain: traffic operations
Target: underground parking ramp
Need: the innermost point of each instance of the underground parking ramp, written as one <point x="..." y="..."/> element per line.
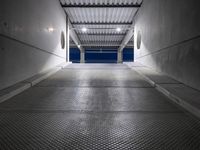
<point x="96" y="107"/>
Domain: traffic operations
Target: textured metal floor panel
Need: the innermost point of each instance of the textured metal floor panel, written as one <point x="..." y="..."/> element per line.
<point x="94" y="77"/>
<point x="156" y="77"/>
<point x="90" y="99"/>
<point x="90" y="131"/>
<point x="95" y="107"/>
<point x="96" y="66"/>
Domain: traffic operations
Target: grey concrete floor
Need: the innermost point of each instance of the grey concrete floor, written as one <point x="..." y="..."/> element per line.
<point x="95" y="107"/>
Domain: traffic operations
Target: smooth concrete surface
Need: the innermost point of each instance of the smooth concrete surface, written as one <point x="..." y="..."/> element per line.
<point x="170" y="38"/>
<point x="60" y="116"/>
<point x="184" y="96"/>
<point x="30" y="38"/>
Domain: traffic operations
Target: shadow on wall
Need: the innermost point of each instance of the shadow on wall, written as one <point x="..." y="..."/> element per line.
<point x="101" y="56"/>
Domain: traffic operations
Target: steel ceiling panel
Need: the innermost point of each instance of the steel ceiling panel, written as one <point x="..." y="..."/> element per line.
<point x="85" y="15"/>
<point x="102" y="26"/>
<point x="96" y="43"/>
<point x="101" y="34"/>
<point x="101" y="38"/>
<point x="102" y="29"/>
<point x="101" y="2"/>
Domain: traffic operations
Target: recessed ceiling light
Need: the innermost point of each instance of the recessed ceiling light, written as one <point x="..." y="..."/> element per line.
<point x="118" y="29"/>
<point x="84" y="29"/>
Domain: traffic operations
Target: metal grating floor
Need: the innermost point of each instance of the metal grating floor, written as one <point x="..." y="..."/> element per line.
<point x="90" y="99"/>
<point x="95" y="78"/>
<point x="98" y="131"/>
<point x="97" y="66"/>
<point x="107" y="116"/>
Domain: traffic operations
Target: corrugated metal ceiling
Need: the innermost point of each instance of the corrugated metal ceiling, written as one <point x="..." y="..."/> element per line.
<point x="96" y="15"/>
<point x="101" y="21"/>
<point x="101" y="2"/>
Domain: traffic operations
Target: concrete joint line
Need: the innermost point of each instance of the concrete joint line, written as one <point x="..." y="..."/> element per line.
<point x="20" y="87"/>
<point x="179" y="101"/>
<point x="30" y="45"/>
<point x="171" y="46"/>
<point x="7" y="94"/>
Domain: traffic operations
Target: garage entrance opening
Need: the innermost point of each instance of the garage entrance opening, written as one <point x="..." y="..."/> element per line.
<point x="101" y="55"/>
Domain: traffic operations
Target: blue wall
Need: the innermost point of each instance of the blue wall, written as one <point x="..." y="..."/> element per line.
<point x="100" y="56"/>
<point x="74" y="55"/>
<point x="128" y="55"/>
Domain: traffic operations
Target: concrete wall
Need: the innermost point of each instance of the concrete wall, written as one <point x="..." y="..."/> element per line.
<point x="170" y="33"/>
<point x="27" y="46"/>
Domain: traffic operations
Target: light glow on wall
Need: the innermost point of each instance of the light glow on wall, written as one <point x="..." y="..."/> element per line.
<point x="50" y="29"/>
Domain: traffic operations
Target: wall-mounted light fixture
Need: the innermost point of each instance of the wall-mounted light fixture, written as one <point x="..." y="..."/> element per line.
<point x="50" y="29"/>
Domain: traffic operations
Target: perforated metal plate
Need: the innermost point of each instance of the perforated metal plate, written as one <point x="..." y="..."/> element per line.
<point x="95" y="78"/>
<point x="97" y="66"/>
<point x="105" y="131"/>
<point x="104" y="113"/>
<point x="90" y="99"/>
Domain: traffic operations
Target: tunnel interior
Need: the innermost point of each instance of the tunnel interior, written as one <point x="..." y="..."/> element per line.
<point x="99" y="74"/>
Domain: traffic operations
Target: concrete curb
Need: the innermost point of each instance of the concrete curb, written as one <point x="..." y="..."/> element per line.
<point x="41" y="76"/>
<point x="146" y="78"/>
<point x="174" y="98"/>
<point x="18" y="88"/>
<point x="8" y="93"/>
<point x="179" y="101"/>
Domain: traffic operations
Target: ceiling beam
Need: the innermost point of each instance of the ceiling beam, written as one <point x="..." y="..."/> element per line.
<point x="129" y="35"/>
<point x="103" y="34"/>
<point x="101" y="28"/>
<point x="102" y="45"/>
<point x="126" y="39"/>
<point x="101" y="6"/>
<point x="102" y="23"/>
<point x="75" y="38"/>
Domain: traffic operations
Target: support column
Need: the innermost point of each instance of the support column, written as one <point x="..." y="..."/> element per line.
<point x="119" y="57"/>
<point x="67" y="39"/>
<point x="82" y="59"/>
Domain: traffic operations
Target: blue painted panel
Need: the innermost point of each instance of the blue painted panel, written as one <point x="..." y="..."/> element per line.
<point x="100" y="56"/>
<point x="128" y="55"/>
<point x="74" y="55"/>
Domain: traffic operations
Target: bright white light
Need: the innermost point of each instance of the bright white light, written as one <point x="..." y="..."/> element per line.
<point x="118" y="29"/>
<point x="84" y="29"/>
<point x="79" y="46"/>
<point x="50" y="29"/>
